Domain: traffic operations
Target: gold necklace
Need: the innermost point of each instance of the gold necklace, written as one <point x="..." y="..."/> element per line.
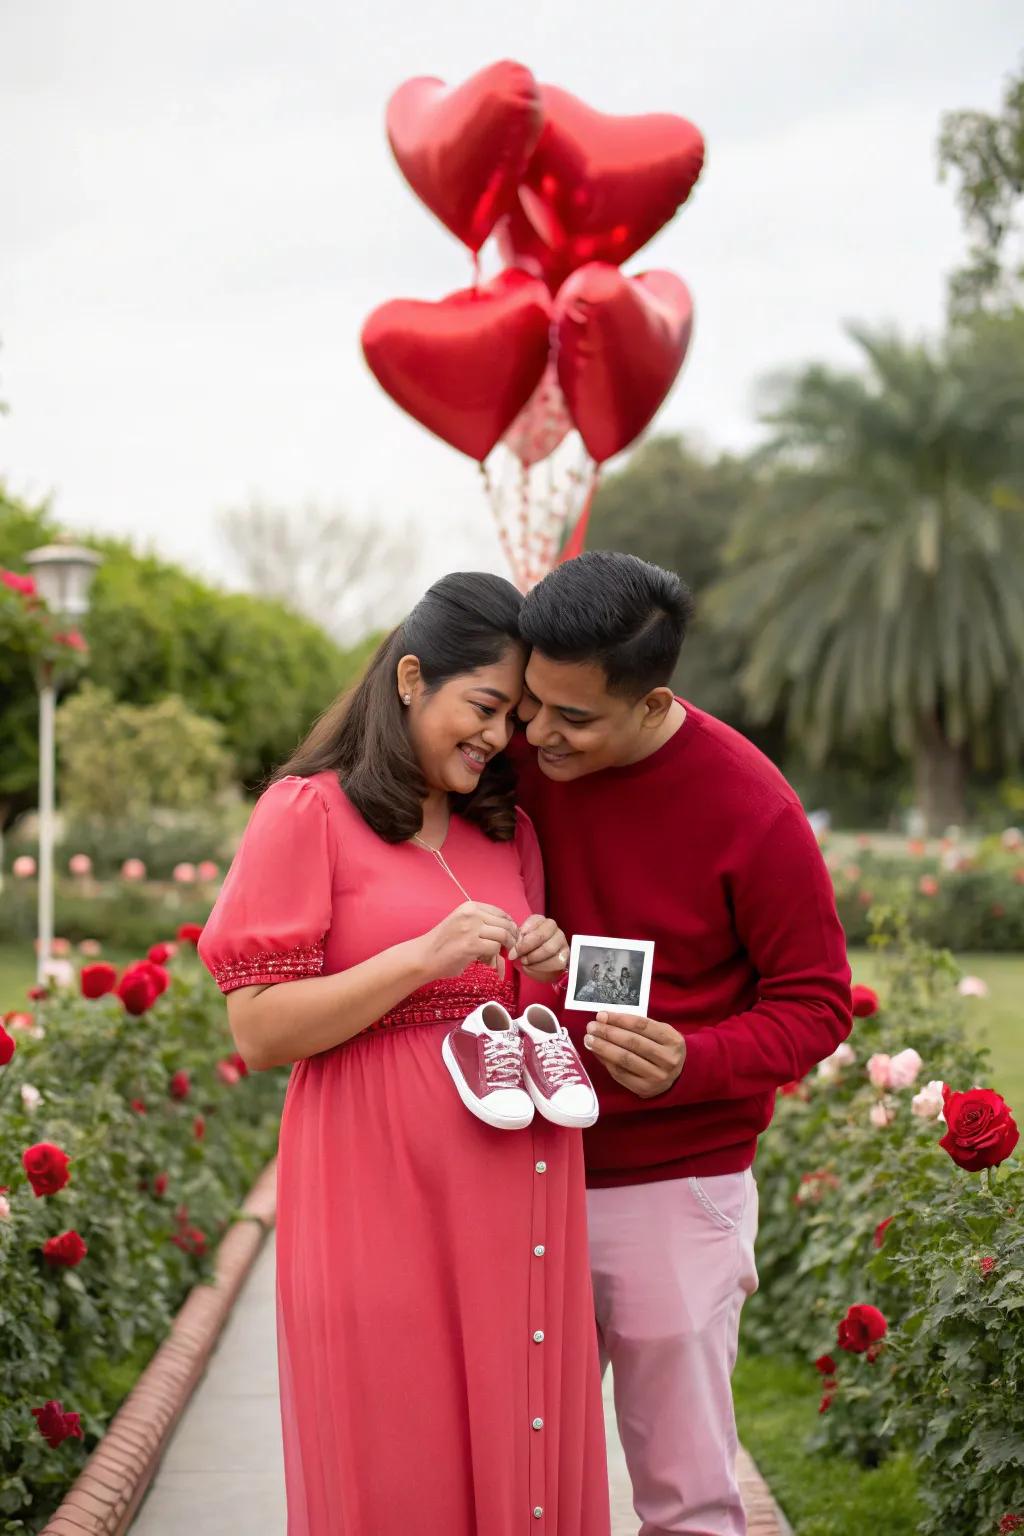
<point x="439" y="856"/>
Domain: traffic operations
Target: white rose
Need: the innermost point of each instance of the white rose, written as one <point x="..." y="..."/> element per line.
<point x="972" y="986"/>
<point x="927" y="1104"/>
<point x="30" y="1097"/>
<point x="5" y="1208"/>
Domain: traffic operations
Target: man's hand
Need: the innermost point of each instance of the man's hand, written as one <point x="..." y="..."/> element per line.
<point x="644" y="1056"/>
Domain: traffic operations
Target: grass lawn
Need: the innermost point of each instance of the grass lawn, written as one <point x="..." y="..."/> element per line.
<point x="998" y="1020"/>
<point x="776" y="1405"/>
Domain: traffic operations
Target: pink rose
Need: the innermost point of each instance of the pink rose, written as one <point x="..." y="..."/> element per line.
<point x="185" y="874"/>
<point x="904" y="1068"/>
<point x="927" y="1104"/>
<point x="928" y="885"/>
<point x="1012" y="838"/>
<point x="878" y="1070"/>
<point x="881" y="1115"/>
<point x="24" y="867"/>
<point x="133" y="869"/>
<point x="90" y="947"/>
<point x="832" y="1066"/>
<point x="972" y="986"/>
<point x="80" y="864"/>
<point x="5" y="1208"/>
<point x="207" y="870"/>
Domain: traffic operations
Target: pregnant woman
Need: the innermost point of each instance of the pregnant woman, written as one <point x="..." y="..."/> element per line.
<point x="436" y="1340"/>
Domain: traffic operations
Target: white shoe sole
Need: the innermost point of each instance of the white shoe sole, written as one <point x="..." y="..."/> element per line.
<point x="557" y="1116"/>
<point x="475" y="1105"/>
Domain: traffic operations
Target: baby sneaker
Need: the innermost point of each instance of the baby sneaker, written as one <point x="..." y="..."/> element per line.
<point x="484" y="1055"/>
<point x="553" y="1074"/>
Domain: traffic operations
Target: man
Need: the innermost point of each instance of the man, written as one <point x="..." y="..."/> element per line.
<point x="707" y="852"/>
<point x="627" y="989"/>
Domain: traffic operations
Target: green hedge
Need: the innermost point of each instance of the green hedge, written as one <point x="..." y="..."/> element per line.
<point x="119" y="914"/>
<point x="81" y="1335"/>
<point x="947" y="1387"/>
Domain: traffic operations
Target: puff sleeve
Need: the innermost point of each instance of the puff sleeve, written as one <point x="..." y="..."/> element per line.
<point x="271" y="918"/>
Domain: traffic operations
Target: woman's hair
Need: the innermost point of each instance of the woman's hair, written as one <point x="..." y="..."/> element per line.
<point x="464" y="622"/>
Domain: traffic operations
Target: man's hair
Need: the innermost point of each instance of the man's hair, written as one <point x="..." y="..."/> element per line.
<point x="615" y="610"/>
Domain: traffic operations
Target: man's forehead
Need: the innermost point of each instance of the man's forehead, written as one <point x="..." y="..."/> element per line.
<point x="565" y="682"/>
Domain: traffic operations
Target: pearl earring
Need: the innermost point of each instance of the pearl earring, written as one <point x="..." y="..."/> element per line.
<point x="407" y="698"/>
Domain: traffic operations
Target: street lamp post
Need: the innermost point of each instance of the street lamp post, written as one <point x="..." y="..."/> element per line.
<point x="63" y="574"/>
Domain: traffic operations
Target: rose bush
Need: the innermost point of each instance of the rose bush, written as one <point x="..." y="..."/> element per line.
<point x="954" y="900"/>
<point x="898" y="1234"/>
<point x="111" y="1204"/>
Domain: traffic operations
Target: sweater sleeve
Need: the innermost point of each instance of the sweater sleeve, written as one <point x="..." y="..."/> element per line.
<point x="785" y="915"/>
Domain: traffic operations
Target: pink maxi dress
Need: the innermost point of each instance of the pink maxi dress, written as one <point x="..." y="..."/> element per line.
<point x="436" y="1340"/>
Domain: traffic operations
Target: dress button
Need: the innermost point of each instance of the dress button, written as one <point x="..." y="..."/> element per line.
<point x="537" y="1512"/>
<point x="538" y="1423"/>
<point x="542" y="1167"/>
<point x="538" y="1337"/>
<point x="539" y="1250"/>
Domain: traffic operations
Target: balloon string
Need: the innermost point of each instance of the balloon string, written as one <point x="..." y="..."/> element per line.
<point x="476" y="271"/>
<point x="578" y="538"/>
<point x="494" y="501"/>
<point x="527" y="569"/>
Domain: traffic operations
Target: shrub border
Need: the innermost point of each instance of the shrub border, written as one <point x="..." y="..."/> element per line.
<point x="105" y="1497"/>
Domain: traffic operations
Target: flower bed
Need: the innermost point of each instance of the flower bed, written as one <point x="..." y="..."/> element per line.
<point x="954" y="900"/>
<point x="119" y="913"/>
<point x="131" y="1132"/>
<point x="892" y="1254"/>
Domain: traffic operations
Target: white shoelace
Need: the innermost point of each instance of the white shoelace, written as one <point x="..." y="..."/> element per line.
<point x="503" y="1060"/>
<point x="558" y="1060"/>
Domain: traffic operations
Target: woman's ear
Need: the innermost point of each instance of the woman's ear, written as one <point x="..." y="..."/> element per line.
<point x="408" y="677"/>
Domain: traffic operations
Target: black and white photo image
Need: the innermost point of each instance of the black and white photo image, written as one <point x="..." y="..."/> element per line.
<point x="609" y="973"/>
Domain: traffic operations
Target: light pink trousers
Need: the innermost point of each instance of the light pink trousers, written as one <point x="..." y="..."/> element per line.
<point x="672" y="1265"/>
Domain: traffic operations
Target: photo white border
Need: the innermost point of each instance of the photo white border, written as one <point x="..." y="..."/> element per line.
<point x="580" y="941"/>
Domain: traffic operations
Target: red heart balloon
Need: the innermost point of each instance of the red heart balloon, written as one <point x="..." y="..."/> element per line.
<point x="598" y="187"/>
<point x="463" y="149"/>
<point x="466" y="366"/>
<point x="621" y="342"/>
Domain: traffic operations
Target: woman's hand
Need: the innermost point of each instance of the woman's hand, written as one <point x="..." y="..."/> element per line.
<point x="474" y="931"/>
<point x="542" y="950"/>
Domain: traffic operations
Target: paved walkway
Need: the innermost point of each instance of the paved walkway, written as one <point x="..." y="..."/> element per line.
<point x="223" y="1473"/>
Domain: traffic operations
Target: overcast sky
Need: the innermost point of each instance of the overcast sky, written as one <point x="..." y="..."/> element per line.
<point x="199" y="208"/>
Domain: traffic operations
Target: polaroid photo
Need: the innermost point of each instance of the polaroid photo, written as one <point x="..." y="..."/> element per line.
<point x="609" y="973"/>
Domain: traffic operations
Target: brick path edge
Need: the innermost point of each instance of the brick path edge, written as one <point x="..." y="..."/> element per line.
<point x="105" y="1497"/>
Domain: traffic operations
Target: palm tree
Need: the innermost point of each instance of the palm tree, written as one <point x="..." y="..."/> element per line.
<point x="879" y="580"/>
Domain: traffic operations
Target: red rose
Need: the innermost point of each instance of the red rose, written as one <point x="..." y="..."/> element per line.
<point x="988" y="1264"/>
<point x="981" y="1130"/>
<point x="190" y="1240"/>
<point x="66" y="1250"/>
<point x="928" y="885"/>
<point x="97" y="980"/>
<point x="37" y="994"/>
<point x="199" y="1127"/>
<point x="862" y="1326"/>
<point x="139" y="1106"/>
<point x="826" y="1365"/>
<point x="190" y="933"/>
<point x="1011" y="1523"/>
<point x="72" y="639"/>
<point x="160" y="1185"/>
<point x="55" y="1425"/>
<point x="23" y="584"/>
<point x="137" y="991"/>
<point x="159" y="954"/>
<point x="865" y="1002"/>
<point x="228" y="1072"/>
<point x="7" y="1047"/>
<point x="47" y="1168"/>
<point x="179" y="1085"/>
<point x="160" y="977"/>
<point x="880" y="1231"/>
<point x="238" y="1062"/>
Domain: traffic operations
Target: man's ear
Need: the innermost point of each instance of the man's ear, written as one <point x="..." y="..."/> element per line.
<point x="656" y="706"/>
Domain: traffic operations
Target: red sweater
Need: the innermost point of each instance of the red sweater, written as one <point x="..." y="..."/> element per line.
<point x="704" y="848"/>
